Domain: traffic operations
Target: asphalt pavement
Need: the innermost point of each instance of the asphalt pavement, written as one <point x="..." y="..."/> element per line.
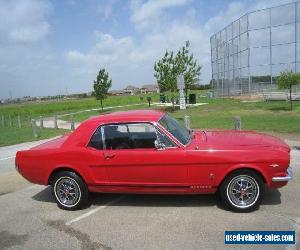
<point x="30" y="219"/>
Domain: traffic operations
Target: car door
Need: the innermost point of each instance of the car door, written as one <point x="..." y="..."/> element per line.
<point x="131" y="157"/>
<point x="94" y="159"/>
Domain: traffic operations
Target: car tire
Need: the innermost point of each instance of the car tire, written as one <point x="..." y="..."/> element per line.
<point x="242" y="190"/>
<point x="69" y="190"/>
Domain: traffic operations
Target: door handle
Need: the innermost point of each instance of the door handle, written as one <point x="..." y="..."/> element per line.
<point x="109" y="156"/>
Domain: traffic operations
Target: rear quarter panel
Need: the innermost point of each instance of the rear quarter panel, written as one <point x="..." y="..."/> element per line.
<point x="37" y="165"/>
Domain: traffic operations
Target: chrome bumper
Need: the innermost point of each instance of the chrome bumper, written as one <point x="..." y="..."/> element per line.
<point x="284" y="178"/>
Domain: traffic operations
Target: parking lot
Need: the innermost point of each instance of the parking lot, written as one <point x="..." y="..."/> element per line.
<point x="30" y="219"/>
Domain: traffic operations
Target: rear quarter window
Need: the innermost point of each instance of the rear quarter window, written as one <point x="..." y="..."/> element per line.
<point x="96" y="140"/>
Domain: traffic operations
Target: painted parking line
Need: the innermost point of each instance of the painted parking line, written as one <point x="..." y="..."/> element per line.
<point x="6" y="158"/>
<point x="89" y="213"/>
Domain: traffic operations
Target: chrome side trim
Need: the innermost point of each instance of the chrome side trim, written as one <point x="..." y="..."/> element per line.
<point x="284" y="178"/>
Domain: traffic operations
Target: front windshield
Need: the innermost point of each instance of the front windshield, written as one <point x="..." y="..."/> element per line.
<point x="181" y="133"/>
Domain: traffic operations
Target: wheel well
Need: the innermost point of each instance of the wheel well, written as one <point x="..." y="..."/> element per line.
<point x="250" y="169"/>
<point x="60" y="169"/>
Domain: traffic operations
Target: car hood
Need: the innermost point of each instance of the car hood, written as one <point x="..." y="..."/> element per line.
<point x="222" y="139"/>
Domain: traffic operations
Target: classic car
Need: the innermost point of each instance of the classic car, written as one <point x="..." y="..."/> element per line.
<point x="149" y="152"/>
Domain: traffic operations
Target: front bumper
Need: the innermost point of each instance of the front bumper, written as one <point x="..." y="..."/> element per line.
<point x="288" y="177"/>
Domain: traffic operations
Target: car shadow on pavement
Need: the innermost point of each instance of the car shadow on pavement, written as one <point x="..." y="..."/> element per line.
<point x="141" y="200"/>
<point x="151" y="200"/>
<point x="271" y="197"/>
<point x="45" y="195"/>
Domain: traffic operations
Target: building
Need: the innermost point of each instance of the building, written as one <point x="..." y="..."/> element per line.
<point x="248" y="54"/>
<point x="116" y="92"/>
<point x="131" y="90"/>
<point x="149" y="89"/>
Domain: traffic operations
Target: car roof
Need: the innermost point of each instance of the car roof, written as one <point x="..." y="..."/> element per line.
<point x="128" y="116"/>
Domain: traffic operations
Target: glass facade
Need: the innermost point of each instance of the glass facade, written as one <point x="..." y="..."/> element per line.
<point x="250" y="53"/>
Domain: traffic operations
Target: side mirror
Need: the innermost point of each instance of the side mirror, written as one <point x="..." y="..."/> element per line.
<point x="159" y="146"/>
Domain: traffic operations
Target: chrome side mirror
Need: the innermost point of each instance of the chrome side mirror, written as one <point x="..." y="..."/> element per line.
<point x="159" y="146"/>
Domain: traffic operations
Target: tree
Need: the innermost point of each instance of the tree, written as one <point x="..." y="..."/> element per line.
<point x="169" y="67"/>
<point x="286" y="80"/>
<point x="165" y="72"/>
<point x="101" y="86"/>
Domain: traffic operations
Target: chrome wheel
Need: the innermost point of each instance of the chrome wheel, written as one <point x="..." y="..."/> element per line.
<point x="243" y="191"/>
<point x="67" y="191"/>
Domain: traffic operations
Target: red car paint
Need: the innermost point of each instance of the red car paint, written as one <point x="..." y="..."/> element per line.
<point x="198" y="167"/>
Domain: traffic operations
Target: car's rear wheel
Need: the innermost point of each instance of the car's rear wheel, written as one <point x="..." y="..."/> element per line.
<point x="69" y="190"/>
<point x="242" y="191"/>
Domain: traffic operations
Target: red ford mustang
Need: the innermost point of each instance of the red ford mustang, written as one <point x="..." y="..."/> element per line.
<point x="148" y="151"/>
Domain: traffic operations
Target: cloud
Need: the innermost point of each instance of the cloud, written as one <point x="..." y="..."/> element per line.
<point x="132" y="62"/>
<point x="107" y="50"/>
<point x="144" y="14"/>
<point x="25" y="61"/>
<point x="106" y="10"/>
<point x="129" y="62"/>
<point x="111" y="53"/>
<point x="233" y="11"/>
<point x="30" y="33"/>
<point x="29" y="65"/>
<point x="23" y="21"/>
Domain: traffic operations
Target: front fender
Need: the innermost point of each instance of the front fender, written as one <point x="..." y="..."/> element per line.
<point x="261" y="170"/>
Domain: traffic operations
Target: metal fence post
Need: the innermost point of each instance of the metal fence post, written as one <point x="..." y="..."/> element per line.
<point x="187" y="121"/>
<point x="72" y="123"/>
<point x="41" y="122"/>
<point x="3" y="121"/>
<point x="19" y="121"/>
<point x="33" y="126"/>
<point x="55" y="122"/>
<point x="237" y="123"/>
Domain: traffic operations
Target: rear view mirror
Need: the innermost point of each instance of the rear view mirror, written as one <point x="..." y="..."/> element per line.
<point x="159" y="146"/>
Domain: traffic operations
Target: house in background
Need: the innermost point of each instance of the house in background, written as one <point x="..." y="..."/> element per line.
<point x="149" y="89"/>
<point x="131" y="90"/>
<point x="116" y="92"/>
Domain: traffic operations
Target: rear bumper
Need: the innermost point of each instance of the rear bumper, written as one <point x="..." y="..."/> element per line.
<point x="288" y="177"/>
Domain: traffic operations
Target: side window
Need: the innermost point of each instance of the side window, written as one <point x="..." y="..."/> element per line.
<point x="134" y="136"/>
<point x="165" y="140"/>
<point x="142" y="135"/>
<point x="96" y="140"/>
<point x="117" y="137"/>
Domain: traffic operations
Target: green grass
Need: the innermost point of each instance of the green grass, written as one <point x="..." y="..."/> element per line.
<point x="217" y="114"/>
<point x="57" y="107"/>
<point x="262" y="116"/>
<point x="220" y="113"/>
<point x="85" y="115"/>
<point x="13" y="135"/>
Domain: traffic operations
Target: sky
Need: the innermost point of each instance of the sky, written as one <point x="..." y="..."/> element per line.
<point x="57" y="47"/>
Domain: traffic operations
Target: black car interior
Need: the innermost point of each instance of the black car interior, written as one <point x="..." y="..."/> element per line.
<point x="115" y="139"/>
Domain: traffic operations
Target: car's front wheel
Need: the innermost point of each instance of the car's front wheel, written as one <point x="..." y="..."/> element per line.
<point x="242" y="190"/>
<point x="69" y="190"/>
